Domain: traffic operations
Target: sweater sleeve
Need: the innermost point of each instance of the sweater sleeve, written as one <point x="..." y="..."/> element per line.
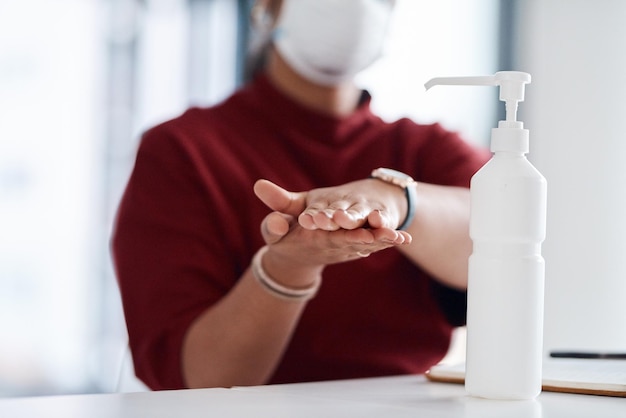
<point x="447" y="159"/>
<point x="164" y="257"/>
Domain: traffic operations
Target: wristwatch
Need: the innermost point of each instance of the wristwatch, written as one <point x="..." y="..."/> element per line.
<point x="404" y="181"/>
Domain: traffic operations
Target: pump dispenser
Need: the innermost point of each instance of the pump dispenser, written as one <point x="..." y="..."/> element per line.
<point x="506" y="269"/>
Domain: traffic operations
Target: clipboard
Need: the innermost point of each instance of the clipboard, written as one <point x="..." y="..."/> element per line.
<point x="581" y="376"/>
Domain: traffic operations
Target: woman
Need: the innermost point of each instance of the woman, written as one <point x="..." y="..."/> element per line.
<point x="211" y="302"/>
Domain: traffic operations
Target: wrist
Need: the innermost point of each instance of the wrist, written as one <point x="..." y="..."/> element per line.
<point x="407" y="184"/>
<point x="289" y="283"/>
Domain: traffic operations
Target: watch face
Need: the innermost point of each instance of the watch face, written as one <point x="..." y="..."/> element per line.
<point x="392" y="176"/>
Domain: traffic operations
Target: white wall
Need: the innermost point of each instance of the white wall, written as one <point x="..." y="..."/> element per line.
<point x="50" y="70"/>
<point x="61" y="327"/>
<point x="575" y="110"/>
<point x="432" y="39"/>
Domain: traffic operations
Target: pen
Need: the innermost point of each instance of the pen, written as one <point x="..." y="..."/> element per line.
<point x="588" y="355"/>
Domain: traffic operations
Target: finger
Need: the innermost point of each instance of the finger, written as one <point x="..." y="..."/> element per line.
<point x="321" y="213"/>
<point x="279" y="199"/>
<point x="324" y="220"/>
<point x="391" y="236"/>
<point x="349" y="219"/>
<point x="382" y="239"/>
<point x="318" y="217"/>
<point x="275" y="226"/>
<point x="380" y="219"/>
<point x="408" y="238"/>
<point x="306" y="221"/>
<point x="358" y="236"/>
<point x="330" y="218"/>
<point x="354" y="216"/>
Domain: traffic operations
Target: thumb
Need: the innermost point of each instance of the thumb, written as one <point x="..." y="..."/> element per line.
<point x="279" y="199"/>
<point x="275" y="226"/>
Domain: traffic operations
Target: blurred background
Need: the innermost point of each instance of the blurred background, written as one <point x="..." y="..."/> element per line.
<point x="80" y="80"/>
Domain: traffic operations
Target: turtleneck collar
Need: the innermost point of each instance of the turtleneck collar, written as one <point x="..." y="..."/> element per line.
<point x="315" y="124"/>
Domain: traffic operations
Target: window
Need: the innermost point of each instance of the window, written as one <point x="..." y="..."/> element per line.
<point x="81" y="79"/>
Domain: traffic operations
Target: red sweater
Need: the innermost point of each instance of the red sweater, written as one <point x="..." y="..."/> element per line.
<point x="188" y="226"/>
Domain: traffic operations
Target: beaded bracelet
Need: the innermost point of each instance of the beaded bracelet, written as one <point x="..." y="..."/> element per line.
<point x="278" y="289"/>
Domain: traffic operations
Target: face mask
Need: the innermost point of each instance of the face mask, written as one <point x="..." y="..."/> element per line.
<point x="329" y="41"/>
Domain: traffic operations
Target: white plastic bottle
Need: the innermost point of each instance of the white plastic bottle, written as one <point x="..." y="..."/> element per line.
<point x="506" y="269"/>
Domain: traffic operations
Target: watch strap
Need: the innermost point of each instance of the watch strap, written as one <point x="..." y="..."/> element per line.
<point x="411" y="198"/>
<point x="405" y="182"/>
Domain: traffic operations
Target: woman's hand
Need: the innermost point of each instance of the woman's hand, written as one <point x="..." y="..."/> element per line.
<point x="363" y="203"/>
<point x="331" y="225"/>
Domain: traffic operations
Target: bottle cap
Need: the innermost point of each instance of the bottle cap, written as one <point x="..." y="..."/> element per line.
<point x="512" y="85"/>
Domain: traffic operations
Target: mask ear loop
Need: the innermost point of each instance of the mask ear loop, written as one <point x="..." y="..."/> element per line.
<point x="262" y="18"/>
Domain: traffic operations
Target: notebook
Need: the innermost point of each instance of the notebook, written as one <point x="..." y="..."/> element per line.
<point x="583" y="376"/>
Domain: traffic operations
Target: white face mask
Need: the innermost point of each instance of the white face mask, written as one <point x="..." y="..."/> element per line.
<point x="329" y="41"/>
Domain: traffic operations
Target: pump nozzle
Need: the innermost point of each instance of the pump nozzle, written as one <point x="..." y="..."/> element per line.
<point x="511" y="85"/>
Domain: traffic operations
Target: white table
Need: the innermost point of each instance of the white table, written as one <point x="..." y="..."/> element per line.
<point x="402" y="396"/>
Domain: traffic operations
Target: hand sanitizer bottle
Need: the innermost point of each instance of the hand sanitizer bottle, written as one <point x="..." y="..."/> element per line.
<point x="506" y="269"/>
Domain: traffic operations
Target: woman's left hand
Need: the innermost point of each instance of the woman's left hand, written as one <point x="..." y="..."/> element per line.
<point x="364" y="203"/>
